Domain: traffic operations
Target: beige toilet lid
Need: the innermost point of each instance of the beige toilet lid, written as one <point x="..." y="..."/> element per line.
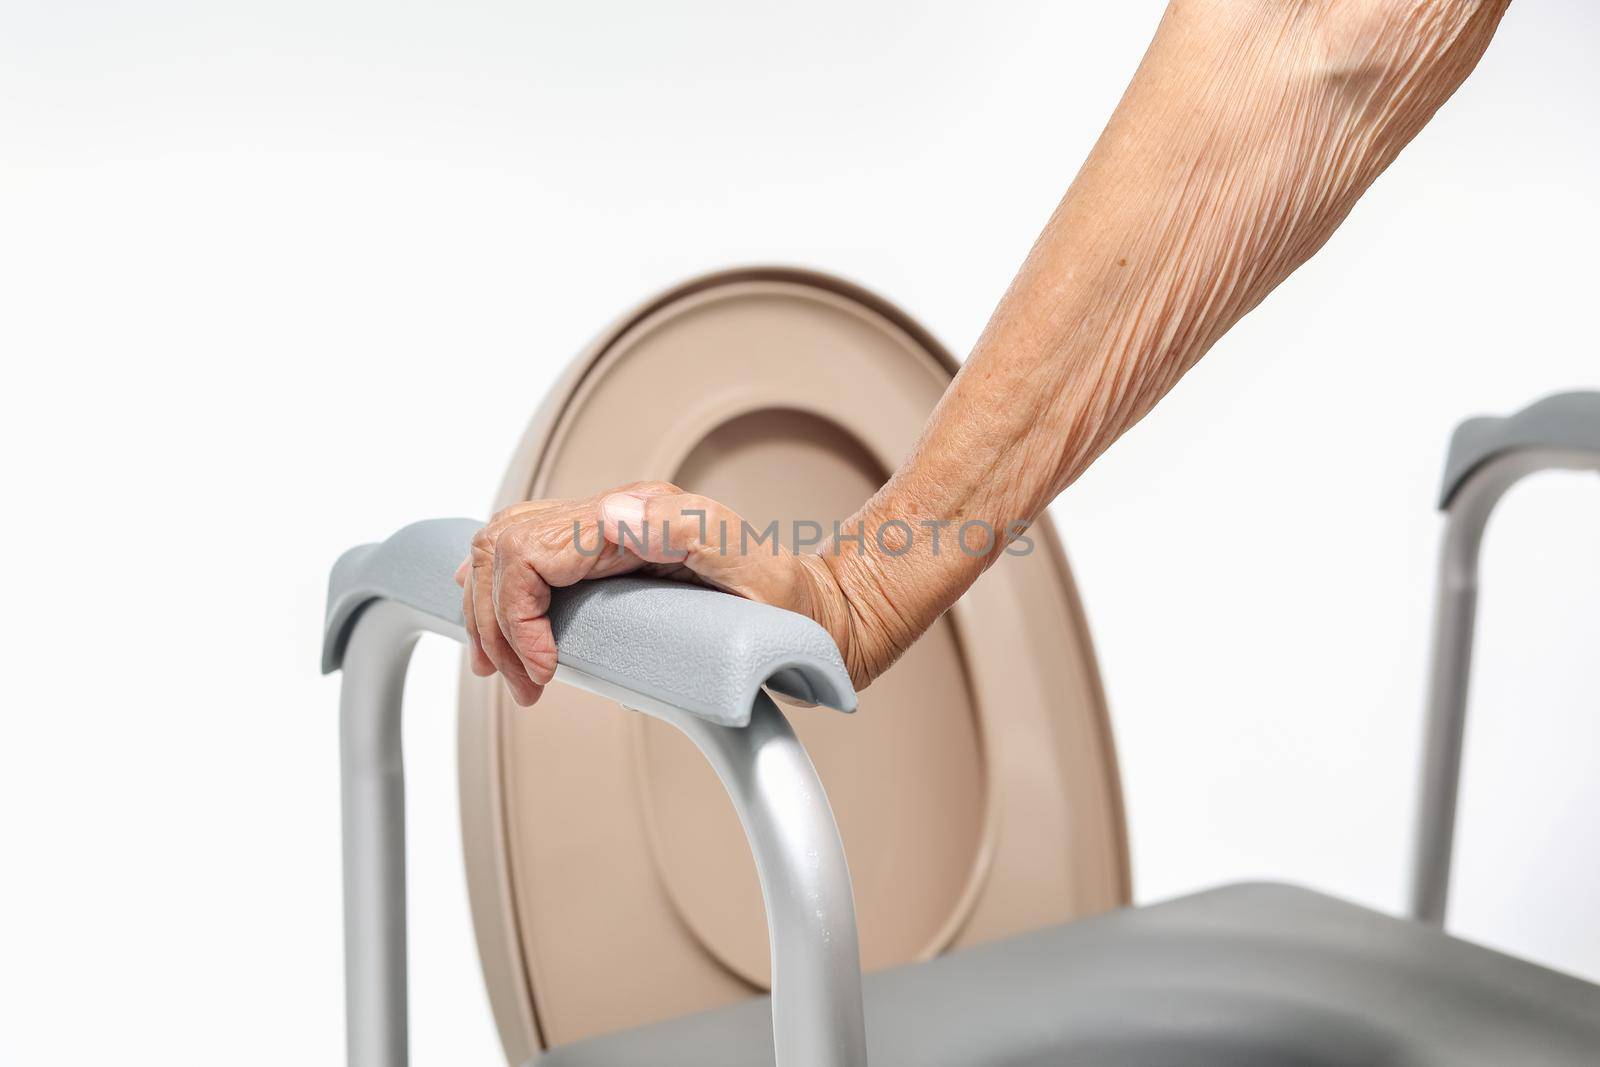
<point x="976" y="789"/>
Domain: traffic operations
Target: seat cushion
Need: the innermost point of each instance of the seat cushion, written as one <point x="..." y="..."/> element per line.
<point x="1240" y="976"/>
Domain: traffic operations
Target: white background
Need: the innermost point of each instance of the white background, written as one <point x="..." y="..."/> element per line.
<point x="278" y="278"/>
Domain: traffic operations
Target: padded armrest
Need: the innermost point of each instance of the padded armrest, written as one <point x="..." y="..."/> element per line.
<point x="686" y="646"/>
<point x="416" y="567"/>
<point x="1564" y="421"/>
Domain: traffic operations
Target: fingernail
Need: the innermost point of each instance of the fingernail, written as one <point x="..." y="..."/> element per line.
<point x="623" y="509"/>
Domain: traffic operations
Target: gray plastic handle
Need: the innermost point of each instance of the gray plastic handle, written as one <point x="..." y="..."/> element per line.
<point x="1563" y="422"/>
<point x="652" y="639"/>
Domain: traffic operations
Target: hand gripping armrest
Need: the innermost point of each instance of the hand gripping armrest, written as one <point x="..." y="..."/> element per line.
<point x="693" y="657"/>
<point x="646" y="641"/>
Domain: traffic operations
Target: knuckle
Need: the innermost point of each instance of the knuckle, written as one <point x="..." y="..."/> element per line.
<point x="499" y="650"/>
<point x="516" y="543"/>
<point x="523" y="544"/>
<point x="511" y="512"/>
<point x="551" y="537"/>
<point x="505" y="514"/>
<point x="530" y="640"/>
<point x="543" y="663"/>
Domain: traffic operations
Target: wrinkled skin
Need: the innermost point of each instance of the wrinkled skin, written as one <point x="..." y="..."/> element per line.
<point x="528" y="549"/>
<point x="1248" y="133"/>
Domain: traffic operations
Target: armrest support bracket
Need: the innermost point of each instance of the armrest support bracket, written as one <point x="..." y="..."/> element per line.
<point x="1487" y="456"/>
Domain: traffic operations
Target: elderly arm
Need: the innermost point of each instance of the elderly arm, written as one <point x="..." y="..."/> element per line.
<point x="1246" y="136"/>
<point x="1248" y="133"/>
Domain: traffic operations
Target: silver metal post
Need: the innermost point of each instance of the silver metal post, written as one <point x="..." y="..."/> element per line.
<point x="373" y="796"/>
<point x="372" y="787"/>
<point x="817" y="1016"/>
<point x="1455" y="616"/>
<point x="805" y="884"/>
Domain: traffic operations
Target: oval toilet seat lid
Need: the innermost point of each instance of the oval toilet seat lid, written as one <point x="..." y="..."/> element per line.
<point x="976" y="789"/>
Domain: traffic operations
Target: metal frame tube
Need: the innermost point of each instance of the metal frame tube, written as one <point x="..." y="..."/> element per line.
<point x="817" y="1018"/>
<point x="816" y="991"/>
<point x="372" y="794"/>
<point x="1455" y="616"/>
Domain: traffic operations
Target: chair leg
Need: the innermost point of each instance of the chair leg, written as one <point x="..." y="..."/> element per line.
<point x="374" y="812"/>
<point x="1454" y="620"/>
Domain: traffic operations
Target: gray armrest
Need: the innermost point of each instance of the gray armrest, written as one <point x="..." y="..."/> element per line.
<point x="416" y="567"/>
<point x="686" y="646"/>
<point x="1566" y="421"/>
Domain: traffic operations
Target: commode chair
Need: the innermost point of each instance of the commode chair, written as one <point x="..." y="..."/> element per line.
<point x="650" y="850"/>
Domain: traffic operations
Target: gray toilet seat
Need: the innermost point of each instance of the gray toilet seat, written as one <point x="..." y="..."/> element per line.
<point x="1247" y="975"/>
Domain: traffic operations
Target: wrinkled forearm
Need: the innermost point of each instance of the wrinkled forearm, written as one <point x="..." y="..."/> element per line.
<point x="1248" y="133"/>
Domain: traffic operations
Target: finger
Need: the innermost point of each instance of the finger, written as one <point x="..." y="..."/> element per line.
<point x="495" y="647"/>
<point x="476" y="658"/>
<point x="521" y="603"/>
<point x="463" y="570"/>
<point x="704" y="538"/>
